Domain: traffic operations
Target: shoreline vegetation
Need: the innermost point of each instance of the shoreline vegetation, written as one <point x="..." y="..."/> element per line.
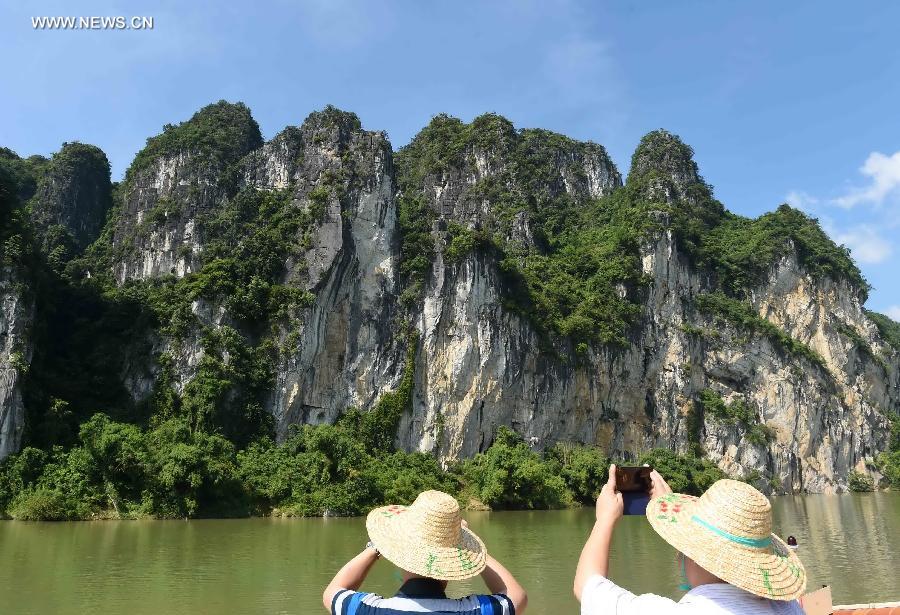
<point x="118" y="471"/>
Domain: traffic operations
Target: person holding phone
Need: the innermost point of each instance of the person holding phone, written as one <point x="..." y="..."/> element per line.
<point x="431" y="544"/>
<point x="730" y="560"/>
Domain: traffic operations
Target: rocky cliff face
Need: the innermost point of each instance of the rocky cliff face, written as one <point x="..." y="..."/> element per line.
<point x="483" y="365"/>
<point x="16" y="316"/>
<point x="73" y="196"/>
<point x="343" y="350"/>
<point x="461" y="238"/>
<point x="17" y="180"/>
<point x="182" y="174"/>
<point x="340" y="349"/>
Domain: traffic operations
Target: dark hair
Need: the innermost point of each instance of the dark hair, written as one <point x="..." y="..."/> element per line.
<point x="792" y="542"/>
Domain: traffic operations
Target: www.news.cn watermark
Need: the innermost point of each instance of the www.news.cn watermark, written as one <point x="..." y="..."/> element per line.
<point x="95" y="22"/>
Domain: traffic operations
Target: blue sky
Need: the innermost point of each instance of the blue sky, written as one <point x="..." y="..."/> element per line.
<point x="781" y="101"/>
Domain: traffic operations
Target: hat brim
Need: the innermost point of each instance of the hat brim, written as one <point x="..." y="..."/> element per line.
<point x="773" y="572"/>
<point x="394" y="537"/>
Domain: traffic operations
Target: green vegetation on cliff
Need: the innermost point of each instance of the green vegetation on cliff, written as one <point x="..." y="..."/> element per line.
<point x="740" y="313"/>
<point x="742" y="251"/>
<point x="580" y="275"/>
<point x="81" y="324"/>
<point x="888" y="329"/>
<point x="737" y="413"/>
<point x="218" y="134"/>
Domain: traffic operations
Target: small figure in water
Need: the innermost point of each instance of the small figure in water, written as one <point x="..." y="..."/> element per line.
<point x="431" y="545"/>
<point x="730" y="560"/>
<point x="792" y="543"/>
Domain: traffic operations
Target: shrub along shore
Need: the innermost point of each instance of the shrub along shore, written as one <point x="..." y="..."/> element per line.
<point x="173" y="470"/>
<point x="119" y="471"/>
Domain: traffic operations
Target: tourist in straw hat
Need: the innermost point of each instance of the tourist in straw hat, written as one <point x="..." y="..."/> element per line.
<point x="431" y="544"/>
<point x="730" y="560"/>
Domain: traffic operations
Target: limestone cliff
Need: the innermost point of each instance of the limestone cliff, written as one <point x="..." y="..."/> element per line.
<point x="16" y="317"/>
<point x="181" y="174"/>
<point x="341" y="351"/>
<point x="484" y="365"/>
<point x="72" y="197"/>
<point x="16" y="298"/>
<point x="543" y="293"/>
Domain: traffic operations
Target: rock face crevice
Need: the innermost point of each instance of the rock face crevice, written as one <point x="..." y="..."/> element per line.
<point x="817" y="382"/>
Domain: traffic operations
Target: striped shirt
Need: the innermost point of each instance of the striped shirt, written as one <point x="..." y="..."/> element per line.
<point x="419" y="596"/>
<point x="601" y="596"/>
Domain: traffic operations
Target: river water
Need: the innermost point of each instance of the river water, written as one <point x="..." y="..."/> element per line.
<point x="281" y="565"/>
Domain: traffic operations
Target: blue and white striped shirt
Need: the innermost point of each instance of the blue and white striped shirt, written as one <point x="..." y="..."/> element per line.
<point x="419" y="596"/>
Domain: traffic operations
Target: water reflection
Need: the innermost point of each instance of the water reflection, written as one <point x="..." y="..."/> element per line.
<point x="281" y="565"/>
<point x="850" y="541"/>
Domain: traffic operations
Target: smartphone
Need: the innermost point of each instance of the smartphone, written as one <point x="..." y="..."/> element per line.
<point x="634" y="484"/>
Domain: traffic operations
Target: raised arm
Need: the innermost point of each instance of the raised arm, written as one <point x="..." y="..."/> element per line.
<point x="350" y="576"/>
<point x="499" y="580"/>
<point x="595" y="554"/>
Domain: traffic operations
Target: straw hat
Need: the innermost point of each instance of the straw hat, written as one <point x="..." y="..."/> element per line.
<point x="728" y="532"/>
<point x="427" y="538"/>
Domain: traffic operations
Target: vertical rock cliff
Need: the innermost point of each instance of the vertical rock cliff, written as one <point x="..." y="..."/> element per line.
<point x="342" y="351"/>
<point x="16" y="317"/>
<point x="16" y="301"/>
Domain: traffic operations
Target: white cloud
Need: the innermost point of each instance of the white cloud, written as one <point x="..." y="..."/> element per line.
<point x="800" y="200"/>
<point x="865" y="243"/>
<point x="893" y="312"/>
<point x="884" y="174"/>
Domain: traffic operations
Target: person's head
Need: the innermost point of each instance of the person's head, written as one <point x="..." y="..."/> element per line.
<point x="726" y="536"/>
<point x="792" y="542"/>
<point x="427" y="539"/>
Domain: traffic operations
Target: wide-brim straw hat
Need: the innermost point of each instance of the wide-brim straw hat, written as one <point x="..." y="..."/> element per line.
<point x="728" y="532"/>
<point x="427" y="538"/>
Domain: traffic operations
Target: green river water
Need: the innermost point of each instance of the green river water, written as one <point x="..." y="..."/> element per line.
<point x="281" y="565"/>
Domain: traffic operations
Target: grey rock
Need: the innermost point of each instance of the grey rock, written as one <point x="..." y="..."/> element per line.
<point x="16" y="318"/>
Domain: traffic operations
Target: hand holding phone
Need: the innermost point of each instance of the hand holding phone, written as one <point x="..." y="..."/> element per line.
<point x="634" y="483"/>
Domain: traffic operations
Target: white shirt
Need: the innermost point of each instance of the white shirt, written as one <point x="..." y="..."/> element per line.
<point x="601" y="596"/>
